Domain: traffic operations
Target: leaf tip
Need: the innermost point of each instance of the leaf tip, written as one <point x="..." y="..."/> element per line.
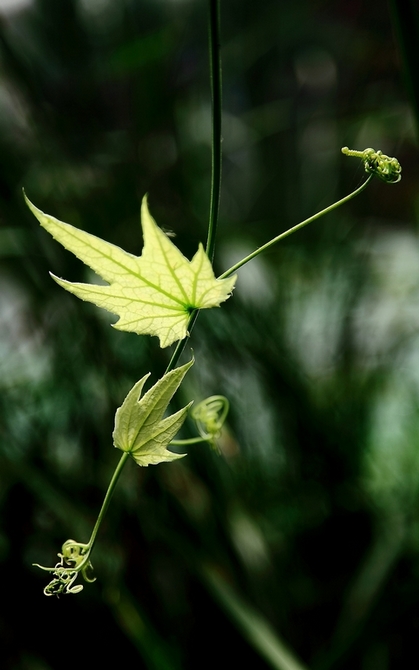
<point x="144" y="206"/>
<point x="28" y="202"/>
<point x="31" y="206"/>
<point x="58" y="280"/>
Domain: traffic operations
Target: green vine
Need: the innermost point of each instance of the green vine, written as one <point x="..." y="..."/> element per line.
<point x="166" y="304"/>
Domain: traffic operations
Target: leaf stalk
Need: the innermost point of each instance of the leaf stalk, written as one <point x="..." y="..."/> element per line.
<point x="294" y="229"/>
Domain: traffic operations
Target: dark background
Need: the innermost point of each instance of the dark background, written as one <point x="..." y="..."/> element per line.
<point x="308" y="523"/>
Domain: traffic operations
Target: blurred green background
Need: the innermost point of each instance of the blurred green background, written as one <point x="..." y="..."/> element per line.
<point x="305" y="532"/>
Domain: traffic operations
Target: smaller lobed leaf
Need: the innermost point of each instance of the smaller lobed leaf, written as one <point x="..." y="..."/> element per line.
<point x="139" y="425"/>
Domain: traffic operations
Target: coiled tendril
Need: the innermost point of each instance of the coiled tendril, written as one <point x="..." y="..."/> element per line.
<point x="73" y="559"/>
<point x="375" y="162"/>
<point x="209" y="416"/>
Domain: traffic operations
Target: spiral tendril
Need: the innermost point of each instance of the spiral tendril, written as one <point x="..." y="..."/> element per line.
<point x="74" y="559"/>
<point x="210" y="415"/>
<point x="375" y="162"/>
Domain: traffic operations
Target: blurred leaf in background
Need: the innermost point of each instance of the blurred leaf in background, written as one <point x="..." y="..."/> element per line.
<point x="303" y="536"/>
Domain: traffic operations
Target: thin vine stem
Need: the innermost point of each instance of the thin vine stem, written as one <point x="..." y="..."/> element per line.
<point x="216" y="111"/>
<point x="276" y="239"/>
<point x="191" y="440"/>
<point x="87" y="548"/>
<point x="216" y="153"/>
<point x="108" y="497"/>
<point x="182" y="343"/>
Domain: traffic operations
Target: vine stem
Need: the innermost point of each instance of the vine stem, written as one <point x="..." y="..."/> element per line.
<point x="276" y="239"/>
<point x="214" y="42"/>
<point x="191" y="440"/>
<point x="216" y="110"/>
<point x="107" y="499"/>
<point x="182" y="343"/>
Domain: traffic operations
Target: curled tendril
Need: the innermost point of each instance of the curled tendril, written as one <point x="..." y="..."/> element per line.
<point x="375" y="162"/>
<point x="63" y="583"/>
<point x="209" y="416"/>
<point x="74" y="559"/>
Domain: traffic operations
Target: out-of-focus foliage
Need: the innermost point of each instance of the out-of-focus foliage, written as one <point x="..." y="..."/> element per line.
<point x="310" y="517"/>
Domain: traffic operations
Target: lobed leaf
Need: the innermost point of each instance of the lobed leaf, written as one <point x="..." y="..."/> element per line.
<point x="139" y="425"/>
<point x="152" y="294"/>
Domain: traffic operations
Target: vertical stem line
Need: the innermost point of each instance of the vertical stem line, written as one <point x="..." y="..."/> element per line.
<point x="216" y="100"/>
<point x="216" y="153"/>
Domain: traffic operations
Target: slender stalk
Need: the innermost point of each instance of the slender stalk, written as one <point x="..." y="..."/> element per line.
<point x="216" y="98"/>
<point x="276" y="239"/>
<point x="216" y="154"/>
<point x="182" y="343"/>
<point x="107" y="498"/>
<point x="191" y="440"/>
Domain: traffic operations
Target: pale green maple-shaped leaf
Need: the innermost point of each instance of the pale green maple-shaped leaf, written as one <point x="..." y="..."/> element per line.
<point x="152" y="294"/>
<point x="139" y="425"/>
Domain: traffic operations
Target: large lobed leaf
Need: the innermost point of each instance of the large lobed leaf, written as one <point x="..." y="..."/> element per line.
<point x="139" y="425"/>
<point x="152" y="294"/>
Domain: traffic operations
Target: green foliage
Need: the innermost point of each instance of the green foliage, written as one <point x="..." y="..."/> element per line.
<point x="153" y="294"/>
<point x="140" y="429"/>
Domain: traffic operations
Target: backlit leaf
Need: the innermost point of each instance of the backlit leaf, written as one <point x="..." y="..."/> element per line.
<point x="139" y="425"/>
<point x="152" y="294"/>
